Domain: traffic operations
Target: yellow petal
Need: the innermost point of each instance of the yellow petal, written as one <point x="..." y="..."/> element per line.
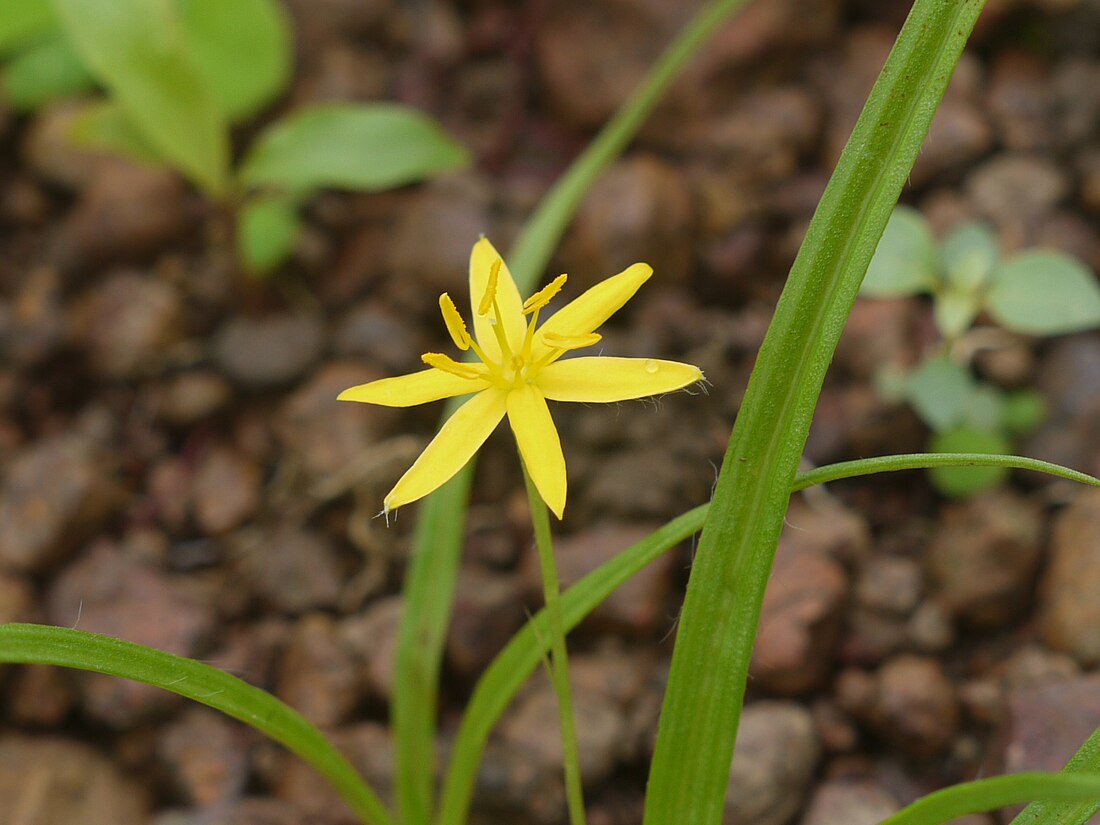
<point x="600" y="379"/>
<point x="454" y="445"/>
<point x="482" y="259"/>
<point x="585" y="314"/>
<point x="416" y="388"/>
<point x="538" y="444"/>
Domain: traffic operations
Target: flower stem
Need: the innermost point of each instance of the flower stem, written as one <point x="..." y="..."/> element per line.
<point x="559" y="663"/>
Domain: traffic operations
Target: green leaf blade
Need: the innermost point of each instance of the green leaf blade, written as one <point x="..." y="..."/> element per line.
<point x="49" y="70"/>
<point x="267" y="229"/>
<point x="137" y="50"/>
<point x="40" y="644"/>
<point x="997" y="792"/>
<point x="24" y="21"/>
<point x="904" y="262"/>
<point x="242" y="49"/>
<point x="363" y="147"/>
<point x="959" y="482"/>
<point x="940" y="391"/>
<point x="1044" y="293"/>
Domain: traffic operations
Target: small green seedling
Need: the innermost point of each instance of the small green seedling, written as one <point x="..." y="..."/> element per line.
<point x="1037" y="292"/>
<point x="179" y="74"/>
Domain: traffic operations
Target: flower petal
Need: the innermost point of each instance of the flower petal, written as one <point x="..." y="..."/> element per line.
<point x="539" y="445"/>
<point x="482" y="258"/>
<point x="454" y="445"/>
<point x="586" y="313"/>
<point x="602" y="379"/>
<point x="416" y="388"/>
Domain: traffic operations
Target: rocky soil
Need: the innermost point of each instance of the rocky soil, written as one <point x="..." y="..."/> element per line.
<point x="174" y="468"/>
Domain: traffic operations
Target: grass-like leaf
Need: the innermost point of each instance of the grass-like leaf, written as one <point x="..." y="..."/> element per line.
<point x="997" y="792"/>
<point x="702" y="705"/>
<point x="138" y="51"/>
<point x="1063" y="812"/>
<point x="27" y="643"/>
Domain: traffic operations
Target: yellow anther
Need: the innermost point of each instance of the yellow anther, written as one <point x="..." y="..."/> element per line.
<point x="490" y="289"/>
<point x="544" y="295"/>
<point x="568" y="342"/>
<point x="517" y="362"/>
<point x="439" y="361"/>
<point x="455" y="325"/>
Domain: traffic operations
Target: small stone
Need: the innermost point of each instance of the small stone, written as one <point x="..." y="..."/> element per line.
<point x="226" y="491"/>
<point x="1048" y="722"/>
<point x="930" y="628"/>
<point x="915" y="708"/>
<point x="1013" y="189"/>
<point x="325" y="435"/>
<point x="452" y="213"/>
<point x="45" y="781"/>
<point x="57" y="493"/>
<point x="800" y="620"/>
<point x="33" y="326"/>
<point x="374" y="333"/>
<point x="849" y="802"/>
<point x="1021" y="103"/>
<point x="126" y="323"/>
<point x="879" y="333"/>
<point x="249" y="811"/>
<point x="268" y="352"/>
<point x="293" y="570"/>
<point x="107" y="592"/>
<point x="984" y="557"/>
<point x="640" y="606"/>
<point x="206" y="754"/>
<point x="127" y="213"/>
<point x="41" y="696"/>
<point x="489" y="608"/>
<point x="317" y="674"/>
<point x="892" y="584"/>
<point x="16" y="598"/>
<point x="639" y="210"/>
<point x="1069" y="601"/>
<point x="531" y="725"/>
<point x="190" y="397"/>
<point x="773" y="764"/>
<point x="372" y="637"/>
<point x="51" y="153"/>
<point x="367" y="746"/>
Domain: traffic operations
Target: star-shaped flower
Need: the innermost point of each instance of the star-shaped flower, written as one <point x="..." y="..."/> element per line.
<point x="517" y="371"/>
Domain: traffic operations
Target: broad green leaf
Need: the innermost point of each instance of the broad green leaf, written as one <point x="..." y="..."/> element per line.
<point x="48" y="70"/>
<point x="985" y="409"/>
<point x="243" y="50"/>
<point x="267" y="229"/>
<point x="1044" y="293"/>
<point x="1024" y="411"/>
<point x="954" y="310"/>
<point x="137" y="49"/>
<point x="104" y="126"/>
<point x="365" y="147"/>
<point x="904" y="262"/>
<point x="940" y="392"/>
<point x="24" y="21"/>
<point x="959" y="482"/>
<point x="1050" y="812"/>
<point x="969" y="254"/>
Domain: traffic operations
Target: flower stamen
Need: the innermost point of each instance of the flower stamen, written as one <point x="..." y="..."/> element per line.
<point x="439" y="361"/>
<point x="570" y="342"/>
<point x="454" y="323"/>
<point x="544" y="295"/>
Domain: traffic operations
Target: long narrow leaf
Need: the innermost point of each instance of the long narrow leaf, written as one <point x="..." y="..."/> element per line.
<point x="996" y="792"/>
<point x="702" y="706"/>
<point x="39" y="644"/>
<point x="1050" y="812"/>
<point x="430" y="581"/>
<point x="137" y="50"/>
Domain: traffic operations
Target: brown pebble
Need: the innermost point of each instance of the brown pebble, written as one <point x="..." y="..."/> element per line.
<point x="206" y="754"/>
<point x="317" y="674"/>
<point x="984" y="555"/>
<point x="1069" y="601"/>
<point x="48" y="780"/>
<point x="57" y="493"/>
<point x="270" y="351"/>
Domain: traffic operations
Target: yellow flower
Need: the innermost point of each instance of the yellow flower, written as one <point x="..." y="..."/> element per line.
<point x="517" y="371"/>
